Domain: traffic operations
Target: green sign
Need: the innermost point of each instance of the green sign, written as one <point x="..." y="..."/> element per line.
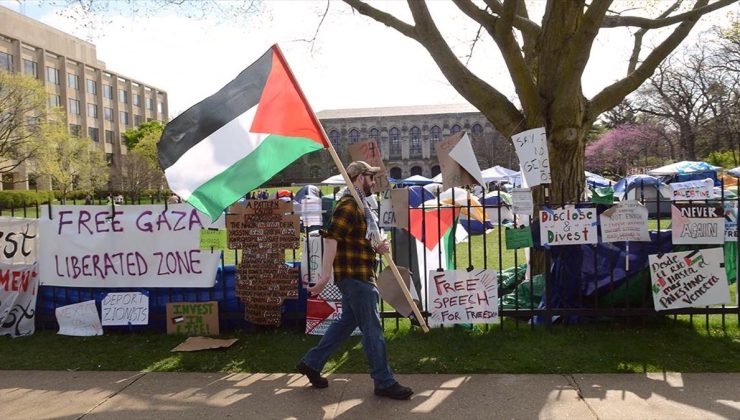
<point x="603" y="195"/>
<point x="212" y="239"/>
<point x="519" y="238"/>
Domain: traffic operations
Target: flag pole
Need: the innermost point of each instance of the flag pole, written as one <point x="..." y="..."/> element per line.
<point x="333" y="153"/>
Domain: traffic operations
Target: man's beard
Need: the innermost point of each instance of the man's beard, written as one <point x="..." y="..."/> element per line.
<point x="366" y="189"/>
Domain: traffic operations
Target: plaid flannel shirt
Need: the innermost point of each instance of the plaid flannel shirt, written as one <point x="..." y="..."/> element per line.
<point x="355" y="254"/>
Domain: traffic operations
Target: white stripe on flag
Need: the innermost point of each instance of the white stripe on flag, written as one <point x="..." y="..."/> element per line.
<point x="214" y="154"/>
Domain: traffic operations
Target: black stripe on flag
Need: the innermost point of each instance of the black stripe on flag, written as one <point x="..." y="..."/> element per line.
<point x="207" y="116"/>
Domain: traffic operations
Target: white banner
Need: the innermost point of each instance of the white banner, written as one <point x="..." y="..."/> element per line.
<point x="18" y="240"/>
<point x="568" y="226"/>
<point x="461" y="296"/>
<point x="689" y="278"/>
<point x="18" y="290"/>
<point x="626" y="221"/>
<point x="127" y="308"/>
<point x="142" y="246"/>
<point x="697" y="224"/>
<point x="534" y="160"/>
<point x="79" y="319"/>
<point x="693" y="190"/>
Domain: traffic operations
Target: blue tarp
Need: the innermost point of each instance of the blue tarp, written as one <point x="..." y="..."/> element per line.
<point x="635" y="181"/>
<point x="418" y="195"/>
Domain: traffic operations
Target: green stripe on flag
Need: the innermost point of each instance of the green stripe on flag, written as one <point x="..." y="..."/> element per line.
<point x="448" y="242"/>
<point x="273" y="155"/>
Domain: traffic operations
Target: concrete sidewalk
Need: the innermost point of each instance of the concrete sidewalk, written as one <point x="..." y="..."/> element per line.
<point x="136" y="395"/>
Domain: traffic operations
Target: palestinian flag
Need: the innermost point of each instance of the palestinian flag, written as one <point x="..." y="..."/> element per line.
<point x="237" y="139"/>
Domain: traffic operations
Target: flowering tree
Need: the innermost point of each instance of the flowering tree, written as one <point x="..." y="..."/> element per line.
<point x="624" y="147"/>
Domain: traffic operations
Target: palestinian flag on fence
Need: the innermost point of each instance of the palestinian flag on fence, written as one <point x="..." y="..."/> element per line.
<point x="237" y="139"/>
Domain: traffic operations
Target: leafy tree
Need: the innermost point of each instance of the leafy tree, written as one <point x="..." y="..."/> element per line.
<point x="140" y="166"/>
<point x="546" y="62"/>
<point x="23" y="115"/>
<point x="71" y="162"/>
<point x="727" y="159"/>
<point x="133" y="136"/>
<point x="625" y="147"/>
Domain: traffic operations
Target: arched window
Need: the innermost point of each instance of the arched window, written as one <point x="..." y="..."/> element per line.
<point x="394" y="137"/>
<point x="415" y="144"/>
<point x="435" y="135"/>
<point x="375" y="135"/>
<point x="396" y="173"/>
<point x="477" y="129"/>
<point x="435" y="170"/>
<point x="455" y="129"/>
<point x="415" y="170"/>
<point x="334" y="138"/>
<point x="354" y="136"/>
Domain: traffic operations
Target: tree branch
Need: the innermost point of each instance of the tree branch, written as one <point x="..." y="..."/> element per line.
<point x="585" y="36"/>
<point x="648" y="23"/>
<point x="635" y="57"/>
<point x="385" y="18"/>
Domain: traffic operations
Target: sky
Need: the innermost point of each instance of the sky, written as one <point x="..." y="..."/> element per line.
<point x="355" y="62"/>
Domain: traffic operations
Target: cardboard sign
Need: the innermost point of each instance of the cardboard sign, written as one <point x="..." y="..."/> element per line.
<point x="568" y="226"/>
<point x="697" y="224"/>
<point x="689" y="278"/>
<point x="18" y="291"/>
<point x="212" y="239"/>
<point x="19" y="240"/>
<point x="264" y="229"/>
<point x="693" y="190"/>
<point x="464" y="155"/>
<point x="392" y="294"/>
<point x="394" y="209"/>
<point x="519" y="237"/>
<point x="192" y="318"/>
<point x="522" y="202"/>
<point x="204" y="343"/>
<point x="453" y="174"/>
<point x="79" y="319"/>
<point x="730" y="221"/>
<point x="627" y="221"/>
<point x="534" y="160"/>
<point x="369" y="151"/>
<point x="460" y="296"/>
<point x="603" y="195"/>
<point x="127" y="308"/>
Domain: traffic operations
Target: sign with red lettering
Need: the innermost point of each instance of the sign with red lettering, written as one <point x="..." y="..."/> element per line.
<point x="125" y="246"/>
<point x="689" y="279"/>
<point x="18" y="290"/>
<point x="568" y="226"/>
<point x="463" y="297"/>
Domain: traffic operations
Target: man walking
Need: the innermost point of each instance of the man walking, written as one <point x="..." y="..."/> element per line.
<point x="349" y="251"/>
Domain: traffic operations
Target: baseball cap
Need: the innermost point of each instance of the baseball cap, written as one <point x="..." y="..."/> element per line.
<point x="359" y="167"/>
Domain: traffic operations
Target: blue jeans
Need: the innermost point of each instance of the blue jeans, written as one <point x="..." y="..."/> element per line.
<point x="359" y="308"/>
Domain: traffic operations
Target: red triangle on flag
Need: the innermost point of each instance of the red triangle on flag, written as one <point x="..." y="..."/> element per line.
<point x="429" y="226"/>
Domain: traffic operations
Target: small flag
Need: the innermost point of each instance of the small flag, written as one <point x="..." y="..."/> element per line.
<point x="237" y="139"/>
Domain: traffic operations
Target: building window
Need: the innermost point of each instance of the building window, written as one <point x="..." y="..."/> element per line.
<point x="396" y="173"/>
<point x="149" y="103"/>
<point x="55" y="101"/>
<point x="73" y="81"/>
<point x="415" y="144"/>
<point x="375" y="135"/>
<point x="160" y="107"/>
<point x="122" y="96"/>
<point x="394" y="138"/>
<point x="455" y="129"/>
<point x="137" y="99"/>
<point x="92" y="86"/>
<point x="6" y="61"/>
<point x="108" y="91"/>
<point x="108" y="113"/>
<point x="416" y="170"/>
<point x="31" y="68"/>
<point x="477" y="129"/>
<point x="138" y="120"/>
<point x="435" y="170"/>
<point x="354" y="136"/>
<point x="334" y="138"/>
<point x="124" y="118"/>
<point x="109" y="136"/>
<point x="75" y="130"/>
<point x="92" y="132"/>
<point x="74" y="107"/>
<point x="92" y="110"/>
<point x="52" y="75"/>
<point x="435" y="135"/>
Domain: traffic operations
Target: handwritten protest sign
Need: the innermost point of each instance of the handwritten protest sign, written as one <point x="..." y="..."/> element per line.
<point x="19" y="240"/>
<point x="138" y="246"/>
<point x="522" y="202"/>
<point x="460" y="296"/>
<point x="369" y="151"/>
<point x="531" y="149"/>
<point x="697" y="223"/>
<point x="693" y="190"/>
<point x="453" y="173"/>
<point x="127" y="308"/>
<point x="394" y="209"/>
<point x="79" y="319"/>
<point x="689" y="278"/>
<point x="627" y="221"/>
<point x="519" y="237"/>
<point x="263" y="229"/>
<point x="192" y="318"/>
<point x="730" y="221"/>
<point x="18" y="291"/>
<point x="212" y="239"/>
<point x="568" y="226"/>
<point x="311" y="259"/>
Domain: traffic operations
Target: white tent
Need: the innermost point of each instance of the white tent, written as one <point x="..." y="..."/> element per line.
<point x="494" y="173"/>
<point x="685" y="167"/>
<point x="333" y="180"/>
<point x="415" y="180"/>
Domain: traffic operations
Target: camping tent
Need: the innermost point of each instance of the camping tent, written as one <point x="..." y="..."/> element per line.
<point x="686" y="171"/>
<point x="492" y="174"/>
<point x="495" y="204"/>
<point x="595" y="180"/>
<point x="333" y="180"/>
<point x="735" y="172"/>
<point x="418" y="195"/>
<point x="655" y="194"/>
<point x="306" y="191"/>
<point x="415" y="180"/>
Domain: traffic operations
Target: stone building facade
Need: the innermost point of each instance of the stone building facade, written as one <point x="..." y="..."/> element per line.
<point x="406" y="137"/>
